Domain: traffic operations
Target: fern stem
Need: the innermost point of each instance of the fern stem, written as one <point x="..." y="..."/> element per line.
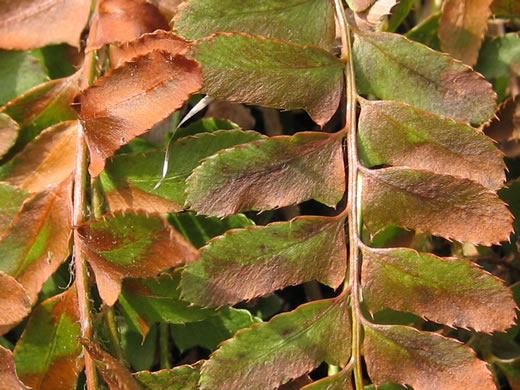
<point x="164" y="345"/>
<point x="353" y="198"/>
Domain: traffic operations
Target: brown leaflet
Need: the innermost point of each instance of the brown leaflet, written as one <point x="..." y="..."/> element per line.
<point x="104" y="242"/>
<point x="274" y="172"/>
<point x="371" y="17"/>
<point x="123" y="198"/>
<point x="296" y="384"/>
<point x="159" y="40"/>
<point x="27" y="24"/>
<point x="444" y="205"/>
<point x="40" y="232"/>
<point x="360" y="5"/>
<point x="505" y="128"/>
<point x="14" y="302"/>
<point x="8" y="378"/>
<point x="234" y="112"/>
<point x="115" y="374"/>
<point x="124" y="20"/>
<point x="131" y="99"/>
<point x="8" y="133"/>
<point x="426" y="361"/>
<point x="46" y="161"/>
<point x="167" y="7"/>
<point x="462" y="26"/>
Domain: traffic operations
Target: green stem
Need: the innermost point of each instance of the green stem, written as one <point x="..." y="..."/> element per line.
<point x="353" y="198"/>
<point x="164" y="345"/>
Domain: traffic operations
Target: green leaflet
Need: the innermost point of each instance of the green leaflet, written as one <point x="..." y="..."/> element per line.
<point x="19" y="71"/>
<point x="147" y="301"/>
<point x="138" y="350"/>
<point x="341" y="381"/>
<point x="440" y="84"/>
<point x="48" y="355"/>
<point x="270" y="173"/>
<point x="43" y="106"/>
<point x="11" y="199"/>
<point x="178" y="378"/>
<point x="129" y="180"/>
<point x="8" y="133"/>
<point x="268" y="72"/>
<point x="246" y="263"/>
<point x="393" y="133"/>
<point x="57" y="59"/>
<point x="270" y="354"/>
<point x="131" y="244"/>
<point x="500" y="57"/>
<point x="283" y="19"/>
<point x="205" y="125"/>
<point x="447" y="290"/>
<point x="200" y="229"/>
<point x="443" y="205"/>
<point x="399" y="14"/>
<point x="426" y="361"/>
<point x="213" y="330"/>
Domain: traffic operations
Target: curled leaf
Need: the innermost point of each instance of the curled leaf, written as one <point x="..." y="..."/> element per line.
<point x="268" y="174"/>
<point x="131" y="244"/>
<point x="131" y="99"/>
<point x="246" y="263"/>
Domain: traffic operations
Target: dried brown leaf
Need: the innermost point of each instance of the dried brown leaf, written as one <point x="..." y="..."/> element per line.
<point x="360" y="5"/>
<point x="115" y="374"/>
<point x="370" y="18"/>
<point x="124" y="20"/>
<point x="462" y="26"/>
<point x="158" y="40"/>
<point x="46" y="161"/>
<point x="426" y="361"/>
<point x="131" y="244"/>
<point x="132" y="98"/>
<point x="8" y="133"/>
<point x="8" y="378"/>
<point x="14" y="302"/>
<point x="506" y="125"/>
<point x="37" y="240"/>
<point x="234" y="112"/>
<point x="26" y="24"/>
<point x="167" y="7"/>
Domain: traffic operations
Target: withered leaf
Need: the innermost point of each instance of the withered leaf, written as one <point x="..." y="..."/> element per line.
<point x="167" y="7"/>
<point x="37" y="240"/>
<point x="252" y="69"/>
<point x="462" y="26"/>
<point x="451" y="291"/>
<point x="444" y="205"/>
<point x="246" y="263"/>
<point x="268" y="174"/>
<point x="8" y="378"/>
<point x="394" y="133"/>
<point x="130" y="180"/>
<point x="124" y="20"/>
<point x="14" y="302"/>
<point x="296" y="384"/>
<point x="440" y="84"/>
<point x="506" y="125"/>
<point x="46" y="161"/>
<point x="131" y="244"/>
<point x="26" y="24"/>
<point x="269" y="354"/>
<point x="130" y="99"/>
<point x="360" y="5"/>
<point x="369" y="19"/>
<point x="43" y="106"/>
<point x="281" y="19"/>
<point x="11" y="199"/>
<point x="115" y="374"/>
<point x="8" y="133"/>
<point x="426" y="361"/>
<point x="48" y="355"/>
<point x="158" y="40"/>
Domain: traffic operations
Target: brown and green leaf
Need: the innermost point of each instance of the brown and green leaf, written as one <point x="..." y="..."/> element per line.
<point x="340" y="381"/>
<point x="451" y="291"/>
<point x="247" y="263"/>
<point x="268" y="72"/>
<point x="8" y="133"/>
<point x="14" y="301"/>
<point x="426" y="361"/>
<point x="48" y="355"/>
<point x="26" y="24"/>
<point x="131" y="99"/>
<point x="444" y="205"/>
<point x="8" y="378"/>
<point x="440" y="84"/>
<point x="37" y="240"/>
<point x="281" y="19"/>
<point x="11" y="199"/>
<point x="393" y="133"/>
<point x="270" y="354"/>
<point x="185" y="377"/>
<point x="131" y="244"/>
<point x="268" y="174"/>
